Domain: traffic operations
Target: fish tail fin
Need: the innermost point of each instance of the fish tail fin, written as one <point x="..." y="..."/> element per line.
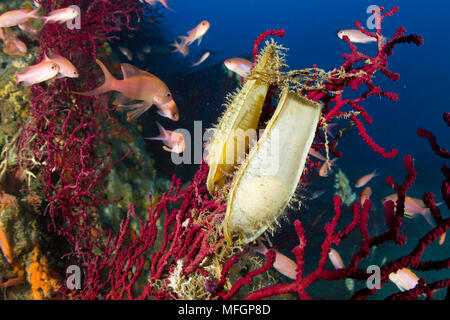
<point x="375" y="173"/>
<point x="105" y="87"/>
<point x="167" y="6"/>
<point x="34" y="13"/>
<point x="185" y="41"/>
<point x="177" y="46"/>
<point x="426" y="213"/>
<point x="162" y="133"/>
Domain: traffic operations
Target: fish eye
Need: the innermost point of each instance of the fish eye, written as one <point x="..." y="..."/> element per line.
<point x="168" y="94"/>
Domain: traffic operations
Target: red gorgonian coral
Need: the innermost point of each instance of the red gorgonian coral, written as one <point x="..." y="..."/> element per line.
<point x="65" y="135"/>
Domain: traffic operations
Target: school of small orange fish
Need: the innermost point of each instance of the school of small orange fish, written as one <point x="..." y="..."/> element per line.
<point x="149" y="90"/>
<point x="136" y="85"/>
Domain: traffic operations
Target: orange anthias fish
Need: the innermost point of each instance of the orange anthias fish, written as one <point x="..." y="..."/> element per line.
<point x="16" y="17"/>
<point x="163" y="2"/>
<point x="324" y="171"/>
<point x="137" y="85"/>
<point x="181" y="47"/>
<point x="196" y="34"/>
<point x="38" y="73"/>
<point x="13" y="45"/>
<point x="365" y="195"/>
<point x="442" y="238"/>
<point x="413" y="207"/>
<point x="173" y="140"/>
<point x="66" y="68"/>
<point x="239" y="65"/>
<point x="61" y="15"/>
<point x="365" y="179"/>
<point x="356" y="36"/>
<point x="282" y="264"/>
<point x="404" y="279"/>
<point x="4" y="244"/>
<point x="336" y="259"/>
<point x="203" y="58"/>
